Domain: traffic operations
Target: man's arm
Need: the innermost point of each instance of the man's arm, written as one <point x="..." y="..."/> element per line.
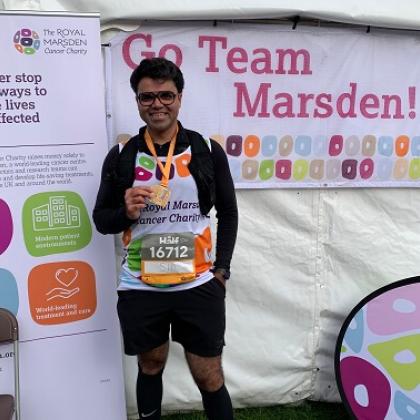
<point x="109" y="215"/>
<point x="226" y="208"/>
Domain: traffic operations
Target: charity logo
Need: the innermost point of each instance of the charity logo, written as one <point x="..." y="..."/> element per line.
<point x="26" y="41"/>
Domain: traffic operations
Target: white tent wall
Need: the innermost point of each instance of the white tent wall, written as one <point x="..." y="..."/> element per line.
<point x="296" y="271"/>
<point x="387" y="13"/>
<point x="306" y="289"/>
<point x="367" y="239"/>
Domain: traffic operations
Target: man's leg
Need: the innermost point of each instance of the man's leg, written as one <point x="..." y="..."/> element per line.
<point x="208" y="375"/>
<point x="149" y="382"/>
<point x="144" y="319"/>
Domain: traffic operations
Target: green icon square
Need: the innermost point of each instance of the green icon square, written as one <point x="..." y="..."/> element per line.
<point x="59" y="230"/>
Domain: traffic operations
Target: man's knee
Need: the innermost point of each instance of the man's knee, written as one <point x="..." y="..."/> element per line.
<point x="206" y="371"/>
<point x="153" y="362"/>
<point x="151" y="367"/>
<point x="211" y="382"/>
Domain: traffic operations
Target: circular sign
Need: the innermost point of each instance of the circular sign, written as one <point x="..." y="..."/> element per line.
<point x="377" y="357"/>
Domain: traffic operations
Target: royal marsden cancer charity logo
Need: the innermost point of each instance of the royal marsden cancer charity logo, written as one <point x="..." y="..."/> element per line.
<point x="26" y="41"/>
<point x="55" y="41"/>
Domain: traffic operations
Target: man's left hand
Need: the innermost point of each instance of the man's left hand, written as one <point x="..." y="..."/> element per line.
<point x="220" y="278"/>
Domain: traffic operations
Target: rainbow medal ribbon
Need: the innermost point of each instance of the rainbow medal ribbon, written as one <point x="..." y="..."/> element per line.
<point x="161" y="191"/>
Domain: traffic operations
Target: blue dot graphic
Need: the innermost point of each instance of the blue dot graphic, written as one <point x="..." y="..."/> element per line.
<point x="9" y="295"/>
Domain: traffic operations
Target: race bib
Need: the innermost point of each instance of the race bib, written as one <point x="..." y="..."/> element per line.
<point x="168" y="258"/>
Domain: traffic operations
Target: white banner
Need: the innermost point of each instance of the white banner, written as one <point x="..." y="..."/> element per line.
<point x="56" y="272"/>
<point x="309" y="107"/>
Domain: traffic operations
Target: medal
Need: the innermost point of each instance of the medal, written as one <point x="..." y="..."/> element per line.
<point x="161" y="195"/>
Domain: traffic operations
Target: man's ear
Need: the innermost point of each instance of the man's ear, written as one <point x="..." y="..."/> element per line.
<point x="180" y="96"/>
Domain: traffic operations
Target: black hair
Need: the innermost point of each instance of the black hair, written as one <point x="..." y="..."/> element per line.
<point x="157" y="68"/>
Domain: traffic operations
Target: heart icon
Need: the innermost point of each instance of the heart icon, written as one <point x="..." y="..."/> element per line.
<point x="66" y="276"/>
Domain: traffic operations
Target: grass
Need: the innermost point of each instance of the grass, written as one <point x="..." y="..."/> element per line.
<point x="305" y="411"/>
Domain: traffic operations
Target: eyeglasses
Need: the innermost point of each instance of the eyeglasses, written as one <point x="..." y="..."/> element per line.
<point x="166" y="97"/>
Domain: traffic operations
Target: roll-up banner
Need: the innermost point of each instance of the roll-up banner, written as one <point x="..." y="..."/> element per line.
<point x="309" y="107"/>
<point x="56" y="273"/>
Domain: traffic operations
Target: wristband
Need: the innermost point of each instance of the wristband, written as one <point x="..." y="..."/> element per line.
<point x="225" y="273"/>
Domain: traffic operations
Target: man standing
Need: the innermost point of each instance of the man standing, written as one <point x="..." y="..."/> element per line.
<point x="158" y="189"/>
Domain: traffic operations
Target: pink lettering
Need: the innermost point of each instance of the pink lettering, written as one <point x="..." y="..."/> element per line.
<point x="323" y="105"/>
<point x="369" y="101"/>
<point x="212" y="40"/>
<point x="350" y="98"/>
<point x="236" y="55"/>
<point x="176" y="51"/>
<point x="147" y="38"/>
<point x="126" y="48"/>
<point x="388" y="100"/>
<point x="293" y="58"/>
<point x="265" y="60"/>
<point x="304" y="98"/>
<point x="261" y="100"/>
<point x="286" y="104"/>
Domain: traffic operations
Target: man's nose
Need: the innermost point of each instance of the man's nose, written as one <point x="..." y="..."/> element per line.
<point x="156" y="103"/>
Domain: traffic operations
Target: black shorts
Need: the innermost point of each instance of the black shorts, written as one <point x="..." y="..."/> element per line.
<point x="196" y="318"/>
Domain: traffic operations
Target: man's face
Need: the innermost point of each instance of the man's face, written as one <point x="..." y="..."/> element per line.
<point x="161" y="119"/>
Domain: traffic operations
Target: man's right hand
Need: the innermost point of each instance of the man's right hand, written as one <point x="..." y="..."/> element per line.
<point x="135" y="200"/>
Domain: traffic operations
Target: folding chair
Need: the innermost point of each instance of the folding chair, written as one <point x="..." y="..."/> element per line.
<point x="9" y="333"/>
